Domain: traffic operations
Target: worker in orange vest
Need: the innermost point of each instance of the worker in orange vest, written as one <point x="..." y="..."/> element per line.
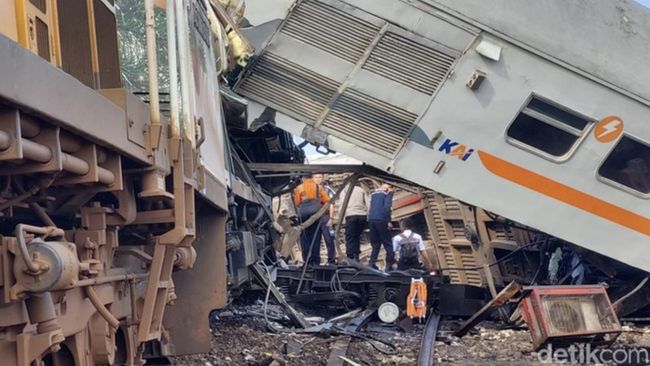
<point x="309" y="198"/>
<point x="326" y="223"/>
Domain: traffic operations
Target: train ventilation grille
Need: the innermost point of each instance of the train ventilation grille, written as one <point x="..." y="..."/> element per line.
<point x="370" y="121"/>
<point x="372" y="50"/>
<point x="330" y="30"/>
<point x="409" y="63"/>
<point x="289" y="87"/>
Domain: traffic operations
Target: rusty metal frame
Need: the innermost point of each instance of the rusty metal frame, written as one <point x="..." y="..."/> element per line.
<point x="499" y="300"/>
<point x="87" y="153"/>
<point x="10" y="125"/>
<point x="160" y="285"/>
<point x="531" y="309"/>
<point x="192" y="334"/>
<point x="43" y="153"/>
<point x="31" y="83"/>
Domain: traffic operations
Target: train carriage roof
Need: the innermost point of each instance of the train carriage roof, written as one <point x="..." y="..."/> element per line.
<point x="609" y="39"/>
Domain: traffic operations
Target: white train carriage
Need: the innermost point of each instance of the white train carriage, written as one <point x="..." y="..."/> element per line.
<point x="535" y="110"/>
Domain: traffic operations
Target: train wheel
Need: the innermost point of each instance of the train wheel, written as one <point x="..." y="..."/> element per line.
<point x="102" y="341"/>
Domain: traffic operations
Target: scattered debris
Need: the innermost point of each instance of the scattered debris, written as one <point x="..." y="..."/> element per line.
<point x="486" y="344"/>
<point x="349" y="361"/>
<point x="358" y="337"/>
<point x="264" y="278"/>
<point x="278" y="360"/>
<point x="502" y="297"/>
<point x="293" y="347"/>
<point x="340" y="348"/>
<point x="242" y="331"/>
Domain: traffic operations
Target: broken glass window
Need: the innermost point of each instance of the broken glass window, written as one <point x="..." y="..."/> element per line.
<point x="133" y="48"/>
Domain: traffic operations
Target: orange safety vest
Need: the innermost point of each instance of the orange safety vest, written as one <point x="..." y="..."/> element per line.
<point x="309" y="191"/>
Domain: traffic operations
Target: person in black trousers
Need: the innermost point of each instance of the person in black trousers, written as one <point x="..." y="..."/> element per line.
<point x="326" y="220"/>
<point x="308" y="198"/>
<point x="379" y="214"/>
<point x="356" y="215"/>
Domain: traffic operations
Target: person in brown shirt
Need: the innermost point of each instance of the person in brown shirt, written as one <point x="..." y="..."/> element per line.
<point x="309" y="198"/>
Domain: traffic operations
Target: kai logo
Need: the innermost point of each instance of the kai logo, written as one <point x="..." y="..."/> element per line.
<point x="456" y="149"/>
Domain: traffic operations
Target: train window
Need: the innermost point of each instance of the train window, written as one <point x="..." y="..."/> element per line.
<point x="548" y="129"/>
<point x="628" y="165"/>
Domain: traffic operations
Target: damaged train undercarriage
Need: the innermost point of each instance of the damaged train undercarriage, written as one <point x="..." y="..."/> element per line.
<point x="502" y="255"/>
<point x="148" y="155"/>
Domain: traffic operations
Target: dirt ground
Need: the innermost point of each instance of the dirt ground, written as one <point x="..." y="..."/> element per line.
<point x="245" y="341"/>
<point x="240" y="337"/>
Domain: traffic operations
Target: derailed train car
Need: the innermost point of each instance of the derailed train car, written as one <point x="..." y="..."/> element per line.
<point x="106" y="200"/>
<point x="535" y="111"/>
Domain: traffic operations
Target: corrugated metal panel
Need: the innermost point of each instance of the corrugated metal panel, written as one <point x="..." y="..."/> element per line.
<point x="330" y="29"/>
<point x="498" y="231"/>
<point x="373" y="122"/>
<point x="437" y="218"/>
<point x="409" y="63"/>
<point x="467" y="256"/>
<point x="474" y="279"/>
<point x="469" y="261"/>
<point x="454" y="255"/>
<point x="289" y="86"/>
<point x="457" y="227"/>
<point x="454" y="275"/>
<point x="452" y="205"/>
<point x="447" y="251"/>
<point x="369" y="120"/>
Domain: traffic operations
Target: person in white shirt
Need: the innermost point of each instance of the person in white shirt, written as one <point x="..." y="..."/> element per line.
<point x="408" y="248"/>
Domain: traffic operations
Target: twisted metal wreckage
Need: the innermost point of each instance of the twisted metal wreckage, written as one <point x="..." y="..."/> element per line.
<point x="141" y="143"/>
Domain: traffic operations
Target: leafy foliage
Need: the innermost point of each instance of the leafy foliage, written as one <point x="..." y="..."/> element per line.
<point x="133" y="46"/>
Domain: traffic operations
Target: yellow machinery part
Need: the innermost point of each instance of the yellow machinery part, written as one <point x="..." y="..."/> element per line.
<point x="33" y="24"/>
